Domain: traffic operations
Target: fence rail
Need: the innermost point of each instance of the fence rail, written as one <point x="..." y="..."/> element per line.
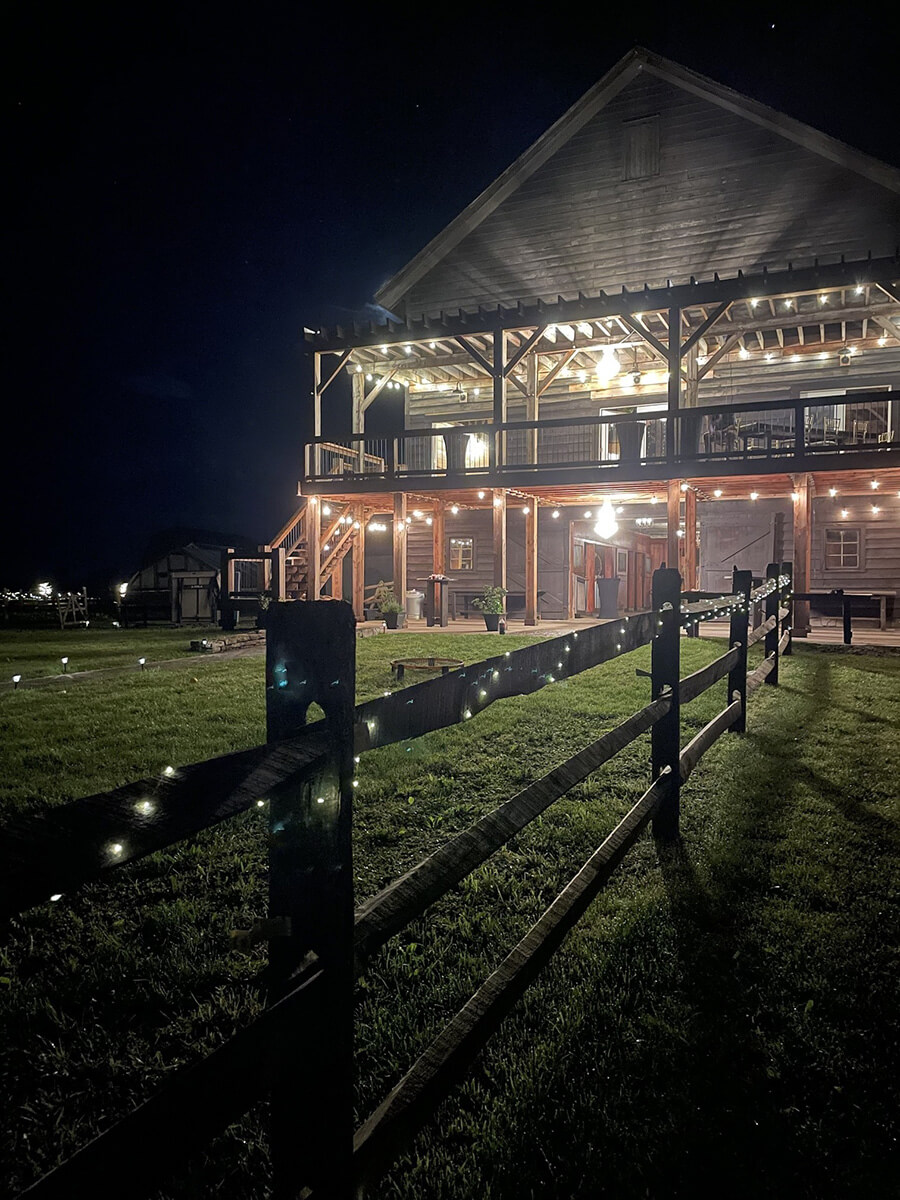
<point x="317" y="944"/>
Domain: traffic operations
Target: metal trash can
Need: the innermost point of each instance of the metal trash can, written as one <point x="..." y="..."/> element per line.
<point x="414" y="602"/>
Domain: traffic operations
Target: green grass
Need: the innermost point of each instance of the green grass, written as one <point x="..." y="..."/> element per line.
<point x="724" y="1018"/>
<point x="38" y="652"/>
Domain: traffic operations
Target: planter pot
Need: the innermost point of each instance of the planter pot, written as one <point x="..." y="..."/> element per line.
<point x="608" y="592"/>
<point x="262" y="618"/>
<point x="393" y="620"/>
<point x="455" y="444"/>
<point x="492" y="621"/>
<point x="630" y="435"/>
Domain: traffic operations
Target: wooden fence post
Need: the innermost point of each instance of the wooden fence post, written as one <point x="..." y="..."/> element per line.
<point x="311" y="658"/>
<point x="773" y="600"/>
<point x="665" y="669"/>
<point x="741" y="585"/>
<point x="226" y="587"/>
<point x="787" y="568"/>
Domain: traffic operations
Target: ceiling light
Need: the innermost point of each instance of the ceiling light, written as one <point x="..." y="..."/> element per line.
<point x="607" y="525"/>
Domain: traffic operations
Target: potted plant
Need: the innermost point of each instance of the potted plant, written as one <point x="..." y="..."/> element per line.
<point x="490" y="605"/>
<point x="630" y="435"/>
<point x="264" y="600"/>
<point x="387" y="604"/>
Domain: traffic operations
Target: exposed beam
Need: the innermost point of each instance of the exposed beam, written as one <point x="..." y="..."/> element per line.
<point x="523" y="350"/>
<point x="701" y="329"/>
<point x="728" y="344"/>
<point x="555" y="370"/>
<point x="650" y="338"/>
<point x="476" y="355"/>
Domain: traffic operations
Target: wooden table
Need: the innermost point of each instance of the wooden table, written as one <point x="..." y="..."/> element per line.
<point x="437" y="595"/>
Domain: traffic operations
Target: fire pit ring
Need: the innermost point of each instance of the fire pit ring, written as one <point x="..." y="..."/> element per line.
<point x="400" y="666"/>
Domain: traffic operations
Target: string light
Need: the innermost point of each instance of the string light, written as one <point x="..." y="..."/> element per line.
<point x="832" y="492"/>
<point x="717" y="493"/>
<point x="481" y="495"/>
<point x="555" y="514"/>
<point x="875" y="484"/>
<point x="454" y="509"/>
<point x="754" y="495"/>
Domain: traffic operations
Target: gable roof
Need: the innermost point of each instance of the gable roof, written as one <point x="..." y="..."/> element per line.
<point x="634" y="63"/>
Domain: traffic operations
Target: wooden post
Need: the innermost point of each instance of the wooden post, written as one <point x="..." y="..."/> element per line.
<point x="438" y="540"/>
<point x="690" y="540"/>
<point x="665" y="672"/>
<point x="802" y="552"/>
<point x="358" y="417"/>
<point x="674" y="385"/>
<point x="314" y="548"/>
<point x="673" y="517"/>
<point x="847" y="612"/>
<point x="279" y="574"/>
<point x="571" y="609"/>
<point x="400" y="538"/>
<point x="358" y="564"/>
<point x="317" y="413"/>
<point x="499" y="522"/>
<point x="787" y="568"/>
<point x="311" y="657"/>
<point x="531" y="562"/>
<point x="499" y="397"/>
<point x="741" y="585"/>
<point x="226" y="587"/>
<point x="532" y="407"/>
<point x="772" y="602"/>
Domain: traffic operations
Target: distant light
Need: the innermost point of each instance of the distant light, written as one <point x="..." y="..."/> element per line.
<point x="795" y="496"/>
<point x="754" y="495"/>
<point x="481" y="495"/>
<point x="832" y="492"/>
<point x="753" y="303"/>
<point x="116" y="849"/>
<point x="429" y="520"/>
<point x="555" y="513"/>
<point x="146" y="807"/>
<point x="845" y="512"/>
<point x="717" y="493"/>
<point x="684" y="487"/>
<point x="169" y="771"/>
<point x="679" y="533"/>
<point x="260" y="804"/>
<point x="326" y="509"/>
<point x="369" y="376"/>
<point x="788" y="304"/>
<point x="56" y="896"/>
<point x="123" y="588"/>
<point x="859" y="291"/>
<point x="358" y="370"/>
<point x="823" y="299"/>
<point x="875" y="509"/>
<point x="587" y="515"/>
<point x="498" y="502"/>
<point x="525" y="509"/>
<point x="743" y="352"/>
<point x="875" y="484"/>
<point x="654" y="499"/>
<point x="454" y="508"/>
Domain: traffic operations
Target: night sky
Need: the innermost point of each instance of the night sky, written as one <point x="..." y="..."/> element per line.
<point x="190" y="188"/>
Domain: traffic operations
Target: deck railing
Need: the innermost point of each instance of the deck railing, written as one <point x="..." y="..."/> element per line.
<point x="748" y="431"/>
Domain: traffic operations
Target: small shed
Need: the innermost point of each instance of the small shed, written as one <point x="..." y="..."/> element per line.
<point x="179" y="581"/>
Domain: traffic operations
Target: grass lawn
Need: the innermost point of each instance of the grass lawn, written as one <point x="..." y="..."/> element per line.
<point x="38" y="652"/>
<point x="724" y="1018"/>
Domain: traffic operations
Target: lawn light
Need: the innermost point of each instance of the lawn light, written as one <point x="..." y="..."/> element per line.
<point x="56" y="896"/>
<point x="141" y="662"/>
<point x="65" y="664"/>
<point x="170" y="771"/>
<point x="16" y="679"/>
<point x="115" y="849"/>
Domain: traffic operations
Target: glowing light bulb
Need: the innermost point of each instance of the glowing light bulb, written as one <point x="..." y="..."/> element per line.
<point x="717" y="493"/>
<point x="454" y="508"/>
<point x="555" y="514"/>
<point x="754" y="495"/>
<point x="832" y="492"/>
<point x="875" y="484"/>
<point x="607" y="525"/>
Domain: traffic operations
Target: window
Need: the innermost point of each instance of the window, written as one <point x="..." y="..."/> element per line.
<point x="462" y="554"/>
<point x="641" y="158"/>
<point x="841" y="548"/>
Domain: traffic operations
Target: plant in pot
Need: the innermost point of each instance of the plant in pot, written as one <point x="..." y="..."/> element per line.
<point x="387" y="604"/>
<point x="262" y="614"/>
<point x="630" y="435"/>
<point x="490" y="605"/>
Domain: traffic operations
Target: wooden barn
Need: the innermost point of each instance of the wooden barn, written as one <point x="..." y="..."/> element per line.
<point x="668" y="332"/>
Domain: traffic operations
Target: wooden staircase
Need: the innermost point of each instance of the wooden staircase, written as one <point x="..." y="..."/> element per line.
<point x="337" y="533"/>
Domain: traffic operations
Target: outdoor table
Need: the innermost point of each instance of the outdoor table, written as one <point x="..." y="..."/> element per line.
<point x="436" y="596"/>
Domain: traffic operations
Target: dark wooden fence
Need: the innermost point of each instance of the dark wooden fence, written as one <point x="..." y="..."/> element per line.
<point x="317" y="943"/>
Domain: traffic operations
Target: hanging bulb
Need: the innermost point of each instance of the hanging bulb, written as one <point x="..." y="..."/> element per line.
<point x="607" y="526"/>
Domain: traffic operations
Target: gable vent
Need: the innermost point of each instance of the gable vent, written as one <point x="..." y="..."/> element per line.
<point x="641" y="158"/>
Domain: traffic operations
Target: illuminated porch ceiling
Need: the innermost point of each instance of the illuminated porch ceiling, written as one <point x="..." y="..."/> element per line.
<point x="732" y="487"/>
<point x="818" y="313"/>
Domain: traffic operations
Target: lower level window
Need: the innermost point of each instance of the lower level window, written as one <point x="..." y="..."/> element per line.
<point x="462" y="554"/>
<point x="841" y="548"/>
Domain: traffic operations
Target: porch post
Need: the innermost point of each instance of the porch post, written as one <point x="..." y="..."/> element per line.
<point x="499" y="414"/>
<point x="400" y="538"/>
<point x="438" y="557"/>
<point x="802" y="551"/>
<point x="673" y="547"/>
<point x="499" y="519"/>
<point x="689" y="540"/>
<point x="314" y="549"/>
<point x="531" y="562"/>
<point x="532" y="406"/>
<point x="674" y="385"/>
<point x="358" y="563"/>
<point x="358" y="417"/>
<point x="317" y="413"/>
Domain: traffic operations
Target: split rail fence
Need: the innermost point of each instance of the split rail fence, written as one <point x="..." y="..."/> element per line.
<point x="299" y="1052"/>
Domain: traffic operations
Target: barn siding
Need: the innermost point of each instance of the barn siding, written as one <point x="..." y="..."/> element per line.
<point x="880" y="543"/>
<point x="729" y="195"/>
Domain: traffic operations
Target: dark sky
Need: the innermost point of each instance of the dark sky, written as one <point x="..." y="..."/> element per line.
<point x="189" y="188"/>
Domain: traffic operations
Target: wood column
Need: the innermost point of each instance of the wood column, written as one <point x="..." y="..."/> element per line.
<point x="499" y="409"/>
<point x="358" y="564"/>
<point x="499" y="520"/>
<point x="803" y="485"/>
<point x="314" y="549"/>
<point x="690" y="540"/>
<point x="532" y="406"/>
<point x="531" y="562"/>
<point x="673" y="548"/>
<point x="571" y="570"/>
<point x="400" y="537"/>
<point x="674" y="385"/>
<point x="438" y="542"/>
<point x="358" y="417"/>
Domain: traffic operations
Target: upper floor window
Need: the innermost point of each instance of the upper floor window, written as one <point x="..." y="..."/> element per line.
<point x="842" y="546"/>
<point x="641" y="158"/>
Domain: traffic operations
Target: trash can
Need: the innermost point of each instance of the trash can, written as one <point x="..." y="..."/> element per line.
<point x="608" y="596"/>
<point x="414" y="602"/>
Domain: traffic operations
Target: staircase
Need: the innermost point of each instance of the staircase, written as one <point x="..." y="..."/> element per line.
<point x="337" y="534"/>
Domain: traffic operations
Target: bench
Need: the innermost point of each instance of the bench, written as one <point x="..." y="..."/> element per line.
<point x="461" y="603"/>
